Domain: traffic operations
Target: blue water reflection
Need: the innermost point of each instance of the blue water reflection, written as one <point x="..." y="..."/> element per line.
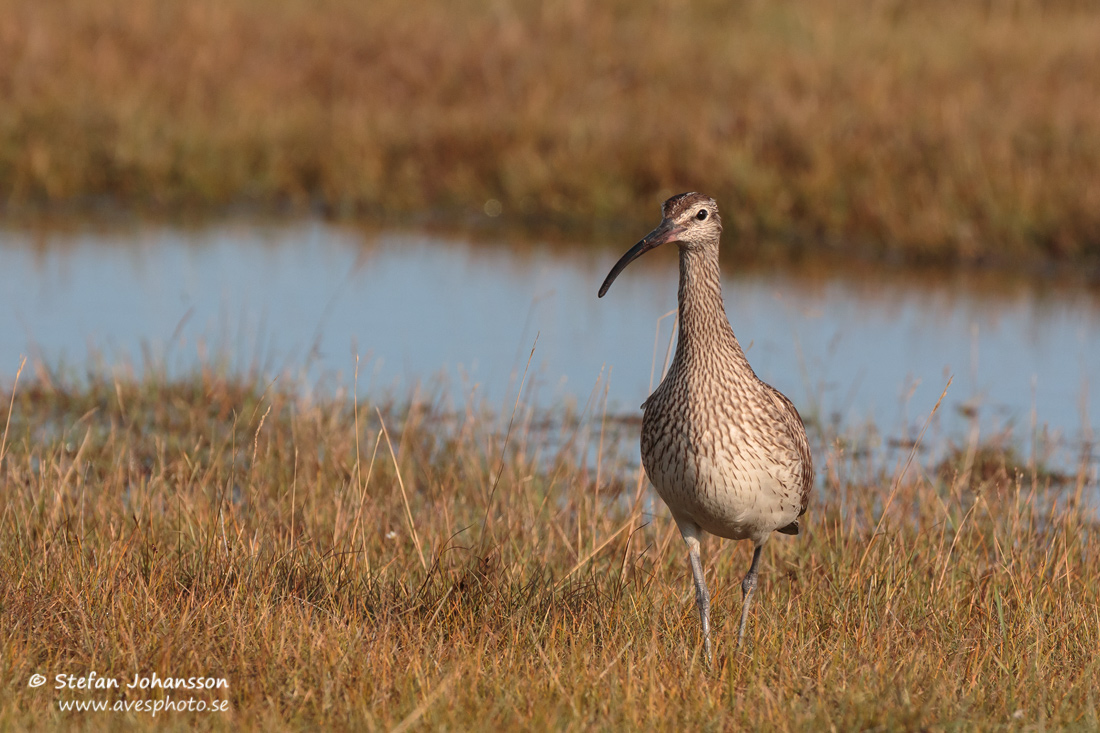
<point x="304" y="299"/>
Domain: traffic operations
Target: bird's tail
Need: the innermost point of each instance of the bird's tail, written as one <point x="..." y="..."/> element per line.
<point x="791" y="528"/>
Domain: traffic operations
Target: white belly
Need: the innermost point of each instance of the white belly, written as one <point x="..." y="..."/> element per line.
<point x="733" y="499"/>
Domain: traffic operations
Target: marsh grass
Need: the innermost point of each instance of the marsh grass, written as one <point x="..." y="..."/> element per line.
<point x="932" y="131"/>
<point x="495" y="571"/>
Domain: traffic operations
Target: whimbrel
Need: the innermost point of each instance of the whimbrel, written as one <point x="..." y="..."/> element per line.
<point x="726" y="452"/>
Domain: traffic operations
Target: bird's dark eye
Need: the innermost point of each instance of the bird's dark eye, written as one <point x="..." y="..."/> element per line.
<point x="701" y="215"/>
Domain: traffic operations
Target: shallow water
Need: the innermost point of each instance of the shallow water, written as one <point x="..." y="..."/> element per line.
<point x="849" y="349"/>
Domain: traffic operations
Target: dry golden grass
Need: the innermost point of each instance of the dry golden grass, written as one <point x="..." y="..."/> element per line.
<point x="931" y="131"/>
<point x="491" y="572"/>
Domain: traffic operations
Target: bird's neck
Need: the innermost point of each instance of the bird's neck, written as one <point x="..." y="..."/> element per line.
<point x="705" y="332"/>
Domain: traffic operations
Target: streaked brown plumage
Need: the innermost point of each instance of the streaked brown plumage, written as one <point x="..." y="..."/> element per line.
<point x="726" y="452"/>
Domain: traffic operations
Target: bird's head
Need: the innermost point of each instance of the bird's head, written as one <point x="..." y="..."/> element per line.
<point x="690" y="219"/>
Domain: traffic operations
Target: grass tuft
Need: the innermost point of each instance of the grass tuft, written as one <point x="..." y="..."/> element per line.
<point x="216" y="527"/>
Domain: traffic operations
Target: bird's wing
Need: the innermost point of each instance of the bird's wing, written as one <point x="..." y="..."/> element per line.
<point x="797" y="430"/>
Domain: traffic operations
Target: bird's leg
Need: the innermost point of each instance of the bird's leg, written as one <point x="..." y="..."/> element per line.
<point x="748" y="585"/>
<point x="702" y="597"/>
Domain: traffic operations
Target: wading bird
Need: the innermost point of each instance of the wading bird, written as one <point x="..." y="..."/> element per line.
<point x="726" y="452"/>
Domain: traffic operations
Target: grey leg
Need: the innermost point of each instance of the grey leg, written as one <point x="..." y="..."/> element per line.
<point x="748" y="585"/>
<point x="702" y="597"/>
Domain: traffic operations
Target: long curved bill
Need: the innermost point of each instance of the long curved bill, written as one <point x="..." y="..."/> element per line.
<point x="666" y="232"/>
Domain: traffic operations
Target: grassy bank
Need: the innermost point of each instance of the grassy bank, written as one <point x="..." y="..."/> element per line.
<point x="934" y="131"/>
<point x="355" y="566"/>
